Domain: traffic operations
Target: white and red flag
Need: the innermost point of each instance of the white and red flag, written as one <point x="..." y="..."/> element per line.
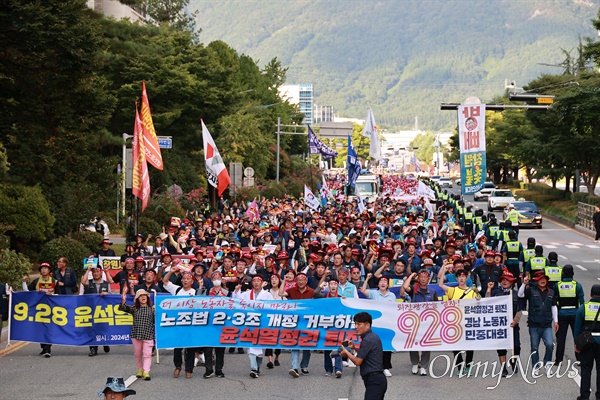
<point x="216" y="172"/>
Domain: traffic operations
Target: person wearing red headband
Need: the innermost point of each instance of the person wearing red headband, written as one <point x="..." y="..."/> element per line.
<point x="256" y="293"/>
<point x="380" y="294"/>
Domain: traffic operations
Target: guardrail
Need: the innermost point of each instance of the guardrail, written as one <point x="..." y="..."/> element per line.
<point x="585" y="213"/>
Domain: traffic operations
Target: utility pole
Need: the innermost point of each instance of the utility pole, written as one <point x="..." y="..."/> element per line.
<point x="124" y="179"/>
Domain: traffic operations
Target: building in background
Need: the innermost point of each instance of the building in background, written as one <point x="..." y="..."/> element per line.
<point x="117" y="10"/>
<point x="323" y="114"/>
<point x="302" y="95"/>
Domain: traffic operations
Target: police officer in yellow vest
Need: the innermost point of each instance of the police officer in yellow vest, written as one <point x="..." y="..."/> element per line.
<point x="553" y="270"/>
<point x="512" y="250"/>
<point x="570" y="298"/>
<point x="584" y="321"/>
<point x="536" y="263"/>
<point x="513" y="216"/>
<point x="529" y="251"/>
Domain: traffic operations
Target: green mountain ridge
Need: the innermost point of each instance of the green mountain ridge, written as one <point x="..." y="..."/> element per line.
<point x="402" y="58"/>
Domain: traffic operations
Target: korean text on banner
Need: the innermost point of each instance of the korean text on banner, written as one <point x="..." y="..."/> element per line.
<point x="153" y="154"/>
<point x="86" y="320"/>
<point x="141" y="181"/>
<point x="316" y="146"/>
<point x="471" y="134"/>
<point x="323" y="324"/>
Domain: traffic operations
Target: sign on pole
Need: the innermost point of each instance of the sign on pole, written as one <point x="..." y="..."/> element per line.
<point x="471" y="133"/>
<point x="165" y="142"/>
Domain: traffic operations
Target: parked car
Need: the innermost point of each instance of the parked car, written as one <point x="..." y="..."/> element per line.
<point x="531" y="216"/>
<point x="457" y="182"/>
<point x="435" y="178"/>
<point x="500" y="199"/>
<point x="485" y="192"/>
<point x="445" y="182"/>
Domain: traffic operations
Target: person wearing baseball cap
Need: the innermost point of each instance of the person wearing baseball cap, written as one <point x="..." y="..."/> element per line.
<point x="256" y="293"/>
<point x="587" y="320"/>
<point x="44" y="284"/>
<point x="542" y="318"/>
<point x="416" y="285"/>
<point x="507" y="281"/>
<point x="570" y="297"/>
<point x="105" y="250"/>
<point x="552" y="269"/>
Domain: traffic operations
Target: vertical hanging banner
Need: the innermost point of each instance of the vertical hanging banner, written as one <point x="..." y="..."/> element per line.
<point x="471" y="134"/>
<point x="141" y="182"/>
<point x="153" y="155"/>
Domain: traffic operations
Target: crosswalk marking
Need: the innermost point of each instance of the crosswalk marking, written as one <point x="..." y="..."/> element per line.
<point x="549" y="246"/>
<point x="580" y="267"/>
<point x="561" y="256"/>
<point x="592" y="246"/>
<point x="572" y="246"/>
<point x="576" y="244"/>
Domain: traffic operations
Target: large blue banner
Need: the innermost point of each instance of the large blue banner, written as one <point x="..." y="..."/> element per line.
<point x="88" y="320"/>
<point x="322" y="324"/>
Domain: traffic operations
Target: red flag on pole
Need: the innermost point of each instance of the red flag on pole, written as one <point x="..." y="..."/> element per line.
<point x="216" y="172"/>
<point x="141" y="181"/>
<point x="152" y="149"/>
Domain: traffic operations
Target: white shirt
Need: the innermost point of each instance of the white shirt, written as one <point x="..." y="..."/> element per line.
<point x="172" y="288"/>
<point x="262" y="295"/>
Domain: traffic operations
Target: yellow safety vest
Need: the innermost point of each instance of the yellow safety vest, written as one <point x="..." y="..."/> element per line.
<point x="538" y="263"/>
<point x="567" y="294"/>
<point x="554" y="272"/>
<point x="527" y="254"/>
<point x="590" y="309"/>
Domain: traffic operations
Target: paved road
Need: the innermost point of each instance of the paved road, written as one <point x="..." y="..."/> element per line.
<point x="72" y="374"/>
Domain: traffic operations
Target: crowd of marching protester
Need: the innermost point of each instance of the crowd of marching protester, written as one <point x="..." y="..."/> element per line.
<point x="394" y="250"/>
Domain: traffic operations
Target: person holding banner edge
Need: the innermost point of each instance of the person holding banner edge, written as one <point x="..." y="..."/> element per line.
<point x="99" y="286"/>
<point x="142" y="331"/>
<point x="45" y="284"/>
<point x="186" y="289"/>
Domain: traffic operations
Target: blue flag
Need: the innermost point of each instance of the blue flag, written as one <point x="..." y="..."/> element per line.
<point x="317" y="147"/>
<point x="353" y="164"/>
